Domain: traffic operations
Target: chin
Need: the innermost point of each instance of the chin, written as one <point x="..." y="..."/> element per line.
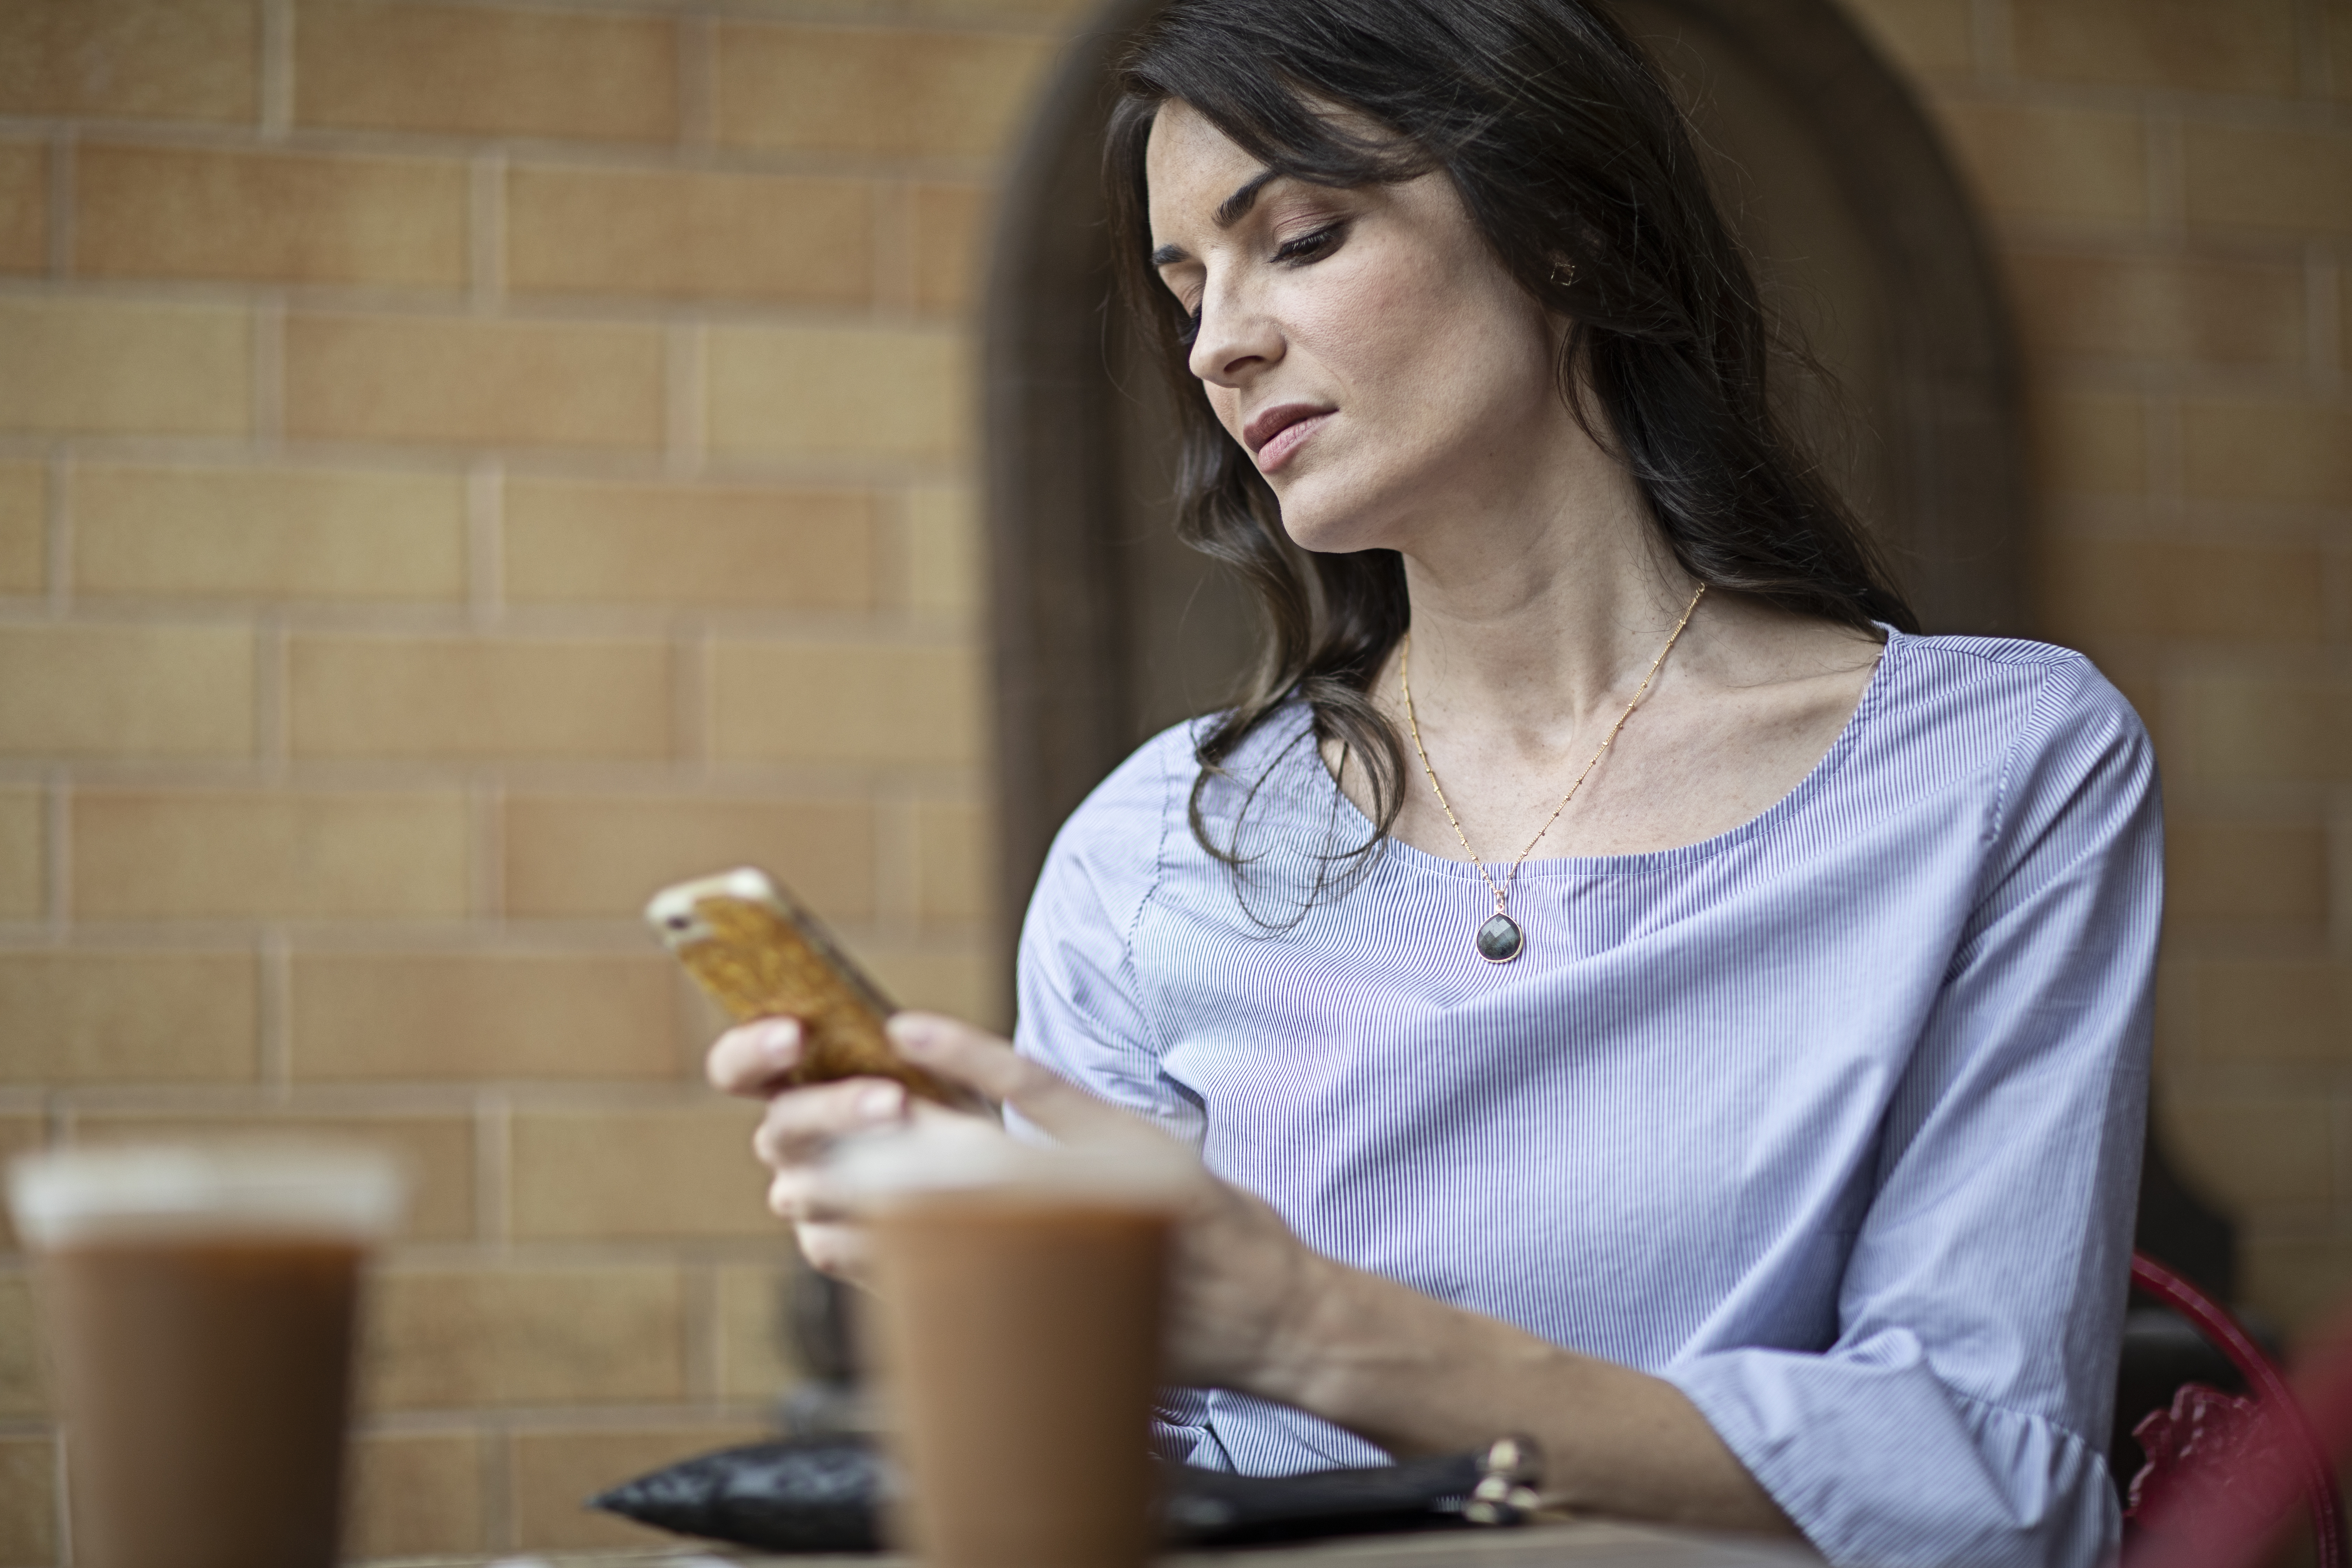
<point x="1327" y="523"/>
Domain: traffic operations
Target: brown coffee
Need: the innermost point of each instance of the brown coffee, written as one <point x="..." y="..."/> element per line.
<point x="207" y="1382"/>
<point x="1021" y="1333"/>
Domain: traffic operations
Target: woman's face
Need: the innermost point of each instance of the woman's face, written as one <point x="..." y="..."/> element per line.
<point x="1363" y="345"/>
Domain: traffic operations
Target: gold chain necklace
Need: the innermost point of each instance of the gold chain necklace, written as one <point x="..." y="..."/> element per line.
<point x="1502" y="939"/>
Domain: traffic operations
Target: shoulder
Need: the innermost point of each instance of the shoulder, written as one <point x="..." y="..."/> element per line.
<point x="2005" y="696"/>
<point x="2064" y="752"/>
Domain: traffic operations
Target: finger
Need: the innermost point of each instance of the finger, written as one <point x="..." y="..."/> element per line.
<point x="839" y="1250"/>
<point x="971" y="1057"/>
<point x="801" y="1122"/>
<point x="752" y="1057"/>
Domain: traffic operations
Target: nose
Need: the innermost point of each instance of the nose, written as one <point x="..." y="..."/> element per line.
<point x="1236" y="340"/>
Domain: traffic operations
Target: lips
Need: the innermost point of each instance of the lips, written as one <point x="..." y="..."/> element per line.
<point x="1272" y="434"/>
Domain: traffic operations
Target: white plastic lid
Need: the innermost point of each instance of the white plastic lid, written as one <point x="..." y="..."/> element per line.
<point x="70" y="1195"/>
<point x="964" y="1155"/>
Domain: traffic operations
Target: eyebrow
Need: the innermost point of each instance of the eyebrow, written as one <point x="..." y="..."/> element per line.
<point x="1230" y="211"/>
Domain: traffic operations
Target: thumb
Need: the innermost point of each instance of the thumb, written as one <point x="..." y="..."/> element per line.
<point x="957" y="1051"/>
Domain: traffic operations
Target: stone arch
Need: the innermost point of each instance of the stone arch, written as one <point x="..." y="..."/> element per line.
<point x="1106" y="628"/>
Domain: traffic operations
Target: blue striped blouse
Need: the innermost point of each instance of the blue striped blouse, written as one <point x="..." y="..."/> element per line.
<point x="1833" y="1121"/>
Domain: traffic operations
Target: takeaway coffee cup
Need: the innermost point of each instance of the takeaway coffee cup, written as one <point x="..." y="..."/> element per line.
<point x="200" y="1306"/>
<point x="1018" y="1291"/>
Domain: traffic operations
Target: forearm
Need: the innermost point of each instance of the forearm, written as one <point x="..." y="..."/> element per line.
<point x="1416" y="1375"/>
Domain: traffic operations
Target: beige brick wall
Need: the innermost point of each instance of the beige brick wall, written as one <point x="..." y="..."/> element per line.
<point x="2170" y="185"/>
<point x="463" y="466"/>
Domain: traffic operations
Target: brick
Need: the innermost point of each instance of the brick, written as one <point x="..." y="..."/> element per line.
<point x="2252" y="1149"/>
<point x="416" y="1495"/>
<point x="162" y="59"/>
<point x="2224" y="312"/>
<point x="28" y="1493"/>
<point x="458" y="1338"/>
<point x="387" y="1017"/>
<point x="553" y="1470"/>
<point x="124" y="1018"/>
<point x="147" y="691"/>
<point x="2137" y="587"/>
<point x="604" y="858"/>
<point x="473" y="383"/>
<point x="2268" y="451"/>
<point x="2272" y="1010"/>
<point x="653" y="1174"/>
<point x="24" y="206"/>
<point x="1923" y="35"/>
<point x="84" y="366"/>
<point x="229" y="855"/>
<point x="954" y="861"/>
<point x="884" y="92"/>
<point x="2249" y="728"/>
<point x="2066" y="163"/>
<point x="473" y="697"/>
<point x="951" y="242"/>
<point x="2245" y="47"/>
<point x="23" y="528"/>
<point x="947" y="564"/>
<point x="23" y="1374"/>
<point x="2248" y="872"/>
<point x="488" y="73"/>
<point x="688" y="545"/>
<point x="691" y="235"/>
<point x="2087" y="443"/>
<point x="755" y="1360"/>
<point x="24" y="868"/>
<point x="161" y="212"/>
<point x="867" y="392"/>
<point x="843" y="702"/>
<point x="2269" y="177"/>
<point x="20" y="1133"/>
<point x="437" y="1151"/>
<point x="268" y="533"/>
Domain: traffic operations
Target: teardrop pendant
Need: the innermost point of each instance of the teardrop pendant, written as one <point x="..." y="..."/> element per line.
<point x="1500" y="940"/>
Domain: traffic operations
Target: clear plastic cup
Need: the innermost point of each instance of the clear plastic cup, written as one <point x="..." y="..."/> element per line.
<point x="201" y="1309"/>
<point x="1019" y="1294"/>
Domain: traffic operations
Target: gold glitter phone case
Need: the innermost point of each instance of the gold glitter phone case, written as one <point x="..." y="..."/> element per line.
<point x="761" y="955"/>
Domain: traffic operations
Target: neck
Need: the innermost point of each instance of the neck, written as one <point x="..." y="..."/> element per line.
<point x="1540" y="618"/>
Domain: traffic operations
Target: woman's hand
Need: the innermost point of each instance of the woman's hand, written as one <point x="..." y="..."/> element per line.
<point x="1241" y="1283"/>
<point x="752" y="1061"/>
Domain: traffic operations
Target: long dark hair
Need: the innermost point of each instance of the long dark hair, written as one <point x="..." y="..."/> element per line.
<point x="1575" y="164"/>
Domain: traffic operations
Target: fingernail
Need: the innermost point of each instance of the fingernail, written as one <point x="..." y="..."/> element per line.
<point x="914" y="1037"/>
<point x="882" y="1101"/>
<point x="780" y="1042"/>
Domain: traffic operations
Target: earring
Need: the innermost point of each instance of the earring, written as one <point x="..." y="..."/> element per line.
<point x="1563" y="273"/>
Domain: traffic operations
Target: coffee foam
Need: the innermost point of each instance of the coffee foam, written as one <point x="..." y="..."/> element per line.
<point x="70" y="1195"/>
<point x="962" y="1155"/>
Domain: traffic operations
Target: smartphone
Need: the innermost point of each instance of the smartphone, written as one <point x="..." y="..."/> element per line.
<point x="760" y="953"/>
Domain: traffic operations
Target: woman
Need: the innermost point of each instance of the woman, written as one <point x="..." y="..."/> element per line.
<point x="1635" y="991"/>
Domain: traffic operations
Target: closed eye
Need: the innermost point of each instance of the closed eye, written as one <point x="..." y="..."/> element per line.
<point x="1190" y="331"/>
<point x="1310" y="247"/>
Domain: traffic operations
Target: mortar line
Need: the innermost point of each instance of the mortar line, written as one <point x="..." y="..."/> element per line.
<point x="486" y="232"/>
<point x="268" y="400"/>
<point x="698" y="83"/>
<point x="273" y="697"/>
<point x="276" y="116"/>
<point x="2167" y="194"/>
<point x="61" y="205"/>
<point x="2322" y="277"/>
<point x="486" y="543"/>
<point x="689" y="693"/>
<point x="57" y="812"/>
<point x="485" y="808"/>
<point x="274" y="961"/>
<point x="686" y="433"/>
<point x="58" y="529"/>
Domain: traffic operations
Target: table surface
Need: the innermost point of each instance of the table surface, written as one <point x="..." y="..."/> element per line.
<point x="1578" y="1544"/>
